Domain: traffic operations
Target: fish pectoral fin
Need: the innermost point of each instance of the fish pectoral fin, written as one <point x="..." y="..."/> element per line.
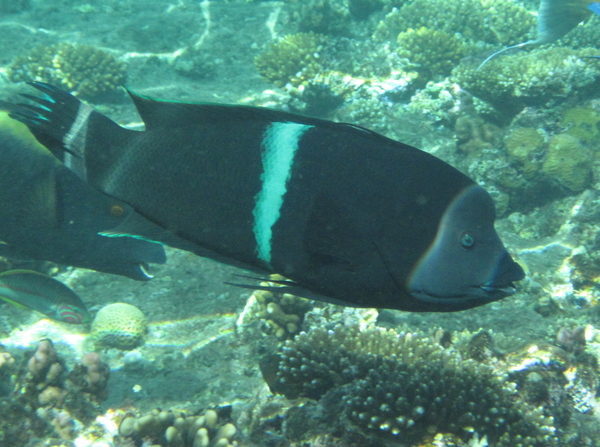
<point x="39" y="204"/>
<point x="14" y="303"/>
<point x="330" y="238"/>
<point x="287" y="286"/>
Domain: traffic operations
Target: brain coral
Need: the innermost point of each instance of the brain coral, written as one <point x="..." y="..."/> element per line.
<point x="120" y="326"/>
<point x="525" y="144"/>
<point x="81" y="69"/>
<point x="406" y="386"/>
<point x="568" y="162"/>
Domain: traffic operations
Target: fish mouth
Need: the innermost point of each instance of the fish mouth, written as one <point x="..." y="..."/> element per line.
<point x="504" y="290"/>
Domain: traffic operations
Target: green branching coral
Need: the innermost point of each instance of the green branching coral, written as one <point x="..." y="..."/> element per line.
<point x="492" y="21"/>
<point x="583" y="36"/>
<point x="568" y="162"/>
<point x="406" y="386"/>
<point x="81" y="69"/>
<point x="435" y="52"/>
<point x="534" y="78"/>
<point x="291" y="59"/>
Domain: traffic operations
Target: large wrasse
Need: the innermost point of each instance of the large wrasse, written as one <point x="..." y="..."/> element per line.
<point x="347" y="215"/>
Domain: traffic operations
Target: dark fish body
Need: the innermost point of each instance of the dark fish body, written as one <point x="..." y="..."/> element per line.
<point x="48" y="213"/>
<point x="33" y="290"/>
<point x="348" y="215"/>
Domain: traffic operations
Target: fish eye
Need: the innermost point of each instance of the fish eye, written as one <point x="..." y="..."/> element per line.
<point x="467" y="240"/>
<point x="117" y="210"/>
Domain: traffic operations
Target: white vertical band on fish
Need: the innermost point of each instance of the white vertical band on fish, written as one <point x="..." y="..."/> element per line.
<point x="280" y="144"/>
<point x="75" y="138"/>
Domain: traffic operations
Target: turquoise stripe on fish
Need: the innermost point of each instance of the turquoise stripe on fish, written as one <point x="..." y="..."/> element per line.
<point x="280" y="144"/>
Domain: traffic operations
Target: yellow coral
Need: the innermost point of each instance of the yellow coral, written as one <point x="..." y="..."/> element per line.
<point x="583" y="123"/>
<point x="523" y="144"/>
<point x="568" y="162"/>
<point x="119" y="325"/>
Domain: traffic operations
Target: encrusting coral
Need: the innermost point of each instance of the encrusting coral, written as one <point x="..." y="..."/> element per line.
<point x="81" y="69"/>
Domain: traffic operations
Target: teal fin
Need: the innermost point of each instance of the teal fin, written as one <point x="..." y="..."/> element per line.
<point x="557" y="17"/>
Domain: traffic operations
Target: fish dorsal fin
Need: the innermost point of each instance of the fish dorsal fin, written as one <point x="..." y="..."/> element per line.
<point x="557" y="17"/>
<point x="157" y="113"/>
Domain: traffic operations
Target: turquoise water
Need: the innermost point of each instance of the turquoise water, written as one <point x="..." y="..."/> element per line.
<point x="524" y="126"/>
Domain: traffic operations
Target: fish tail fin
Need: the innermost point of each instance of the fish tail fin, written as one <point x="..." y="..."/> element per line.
<point x="557" y="17"/>
<point x="493" y="55"/>
<point x="67" y="126"/>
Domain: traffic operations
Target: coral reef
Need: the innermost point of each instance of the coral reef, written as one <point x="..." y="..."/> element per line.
<point x="292" y="58"/>
<point x="583" y="123"/>
<point x="119" y="325"/>
<point x="568" y="162"/>
<point x="404" y="385"/>
<point x="322" y="16"/>
<point x="281" y="313"/>
<point x="177" y="429"/>
<point x="526" y="79"/>
<point x="44" y="398"/>
<point x="81" y="69"/>
<point x="434" y="52"/>
<point x="492" y="21"/>
<point x="525" y="146"/>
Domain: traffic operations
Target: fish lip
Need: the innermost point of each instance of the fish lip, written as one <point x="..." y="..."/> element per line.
<point x="491" y="293"/>
<point x="505" y="289"/>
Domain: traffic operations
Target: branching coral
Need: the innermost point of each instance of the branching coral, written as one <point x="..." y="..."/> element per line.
<point x="81" y="69"/>
<point x="435" y="52"/>
<point x="291" y="59"/>
<point x="405" y="385"/>
<point x="518" y="80"/>
<point x="491" y="21"/>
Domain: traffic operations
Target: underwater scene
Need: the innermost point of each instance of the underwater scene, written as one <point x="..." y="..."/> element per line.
<point x="299" y="223"/>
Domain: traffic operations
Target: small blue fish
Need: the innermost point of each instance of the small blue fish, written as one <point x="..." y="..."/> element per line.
<point x="33" y="290"/>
